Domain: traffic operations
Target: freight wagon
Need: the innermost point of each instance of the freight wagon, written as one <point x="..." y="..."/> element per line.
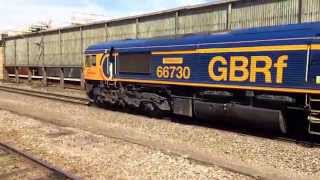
<point x="268" y="77"/>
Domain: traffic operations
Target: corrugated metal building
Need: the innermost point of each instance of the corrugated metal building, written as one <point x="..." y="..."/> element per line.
<point x="64" y="47"/>
<point x="1" y="58"/>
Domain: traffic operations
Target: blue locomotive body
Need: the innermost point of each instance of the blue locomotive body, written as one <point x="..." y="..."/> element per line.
<point x="245" y="59"/>
<point x="280" y="63"/>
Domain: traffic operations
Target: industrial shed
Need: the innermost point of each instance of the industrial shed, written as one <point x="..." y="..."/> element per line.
<point x="1" y="58"/>
<point x="61" y="50"/>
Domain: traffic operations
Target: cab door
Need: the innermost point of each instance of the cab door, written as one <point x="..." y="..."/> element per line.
<point x="313" y="67"/>
<point x="112" y="65"/>
<point x="109" y="65"/>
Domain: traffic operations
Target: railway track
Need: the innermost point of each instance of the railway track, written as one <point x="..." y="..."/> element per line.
<point x="15" y="164"/>
<point x="48" y="95"/>
<point x="80" y="100"/>
<point x="85" y="101"/>
<point x="195" y="156"/>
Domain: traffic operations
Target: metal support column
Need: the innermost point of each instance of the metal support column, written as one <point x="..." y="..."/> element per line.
<point x="81" y="47"/>
<point x="61" y="78"/>
<point x="300" y="13"/>
<point x="82" y="81"/>
<point x="5" y="70"/>
<point x="15" y="52"/>
<point x="29" y="75"/>
<point x="176" y="28"/>
<point x="5" y="74"/>
<point x="82" y="60"/>
<point x="44" y="77"/>
<point x="106" y="36"/>
<point x="42" y="53"/>
<point x="137" y="28"/>
<point x="16" y="72"/>
<point x="28" y="51"/>
<point x="60" y="48"/>
<point x="229" y="11"/>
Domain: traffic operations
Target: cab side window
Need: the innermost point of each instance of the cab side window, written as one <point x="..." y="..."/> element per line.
<point x="90" y="60"/>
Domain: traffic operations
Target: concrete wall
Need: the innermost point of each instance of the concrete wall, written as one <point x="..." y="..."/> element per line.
<point x="64" y="47"/>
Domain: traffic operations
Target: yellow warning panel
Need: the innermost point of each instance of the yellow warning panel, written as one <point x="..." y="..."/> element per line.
<point x="172" y="60"/>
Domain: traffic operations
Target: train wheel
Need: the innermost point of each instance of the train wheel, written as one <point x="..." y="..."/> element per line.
<point x="98" y="102"/>
<point x="150" y="109"/>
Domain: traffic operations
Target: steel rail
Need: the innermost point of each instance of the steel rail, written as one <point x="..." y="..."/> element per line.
<point x="12" y="150"/>
<point x="48" y="95"/>
<point x="305" y="143"/>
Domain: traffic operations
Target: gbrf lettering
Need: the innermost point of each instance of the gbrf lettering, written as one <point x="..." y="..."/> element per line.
<point x="241" y="68"/>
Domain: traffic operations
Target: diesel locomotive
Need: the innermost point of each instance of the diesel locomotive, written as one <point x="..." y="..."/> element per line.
<point x="268" y="77"/>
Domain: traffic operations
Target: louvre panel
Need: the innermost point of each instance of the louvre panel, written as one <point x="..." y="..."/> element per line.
<point x="157" y="26"/>
<point x="71" y="49"/>
<point x="36" y="51"/>
<point x="208" y="20"/>
<point x="310" y="10"/>
<point x="257" y="13"/>
<point x="122" y="31"/>
<point x="94" y="35"/>
<point x="52" y="54"/>
<point x="22" y="52"/>
<point x="10" y="53"/>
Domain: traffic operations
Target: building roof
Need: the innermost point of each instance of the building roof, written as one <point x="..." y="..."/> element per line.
<point x="183" y="8"/>
<point x="295" y="34"/>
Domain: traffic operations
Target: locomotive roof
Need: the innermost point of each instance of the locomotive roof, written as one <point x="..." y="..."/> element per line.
<point x="292" y="34"/>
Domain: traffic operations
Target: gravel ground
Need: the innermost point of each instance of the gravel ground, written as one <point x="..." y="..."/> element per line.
<point x="291" y="158"/>
<point x="97" y="157"/>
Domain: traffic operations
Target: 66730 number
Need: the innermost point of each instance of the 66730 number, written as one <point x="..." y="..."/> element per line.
<point x="171" y="72"/>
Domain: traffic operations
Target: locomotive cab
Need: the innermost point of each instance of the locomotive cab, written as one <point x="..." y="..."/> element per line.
<point x="92" y="70"/>
<point x="100" y="67"/>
